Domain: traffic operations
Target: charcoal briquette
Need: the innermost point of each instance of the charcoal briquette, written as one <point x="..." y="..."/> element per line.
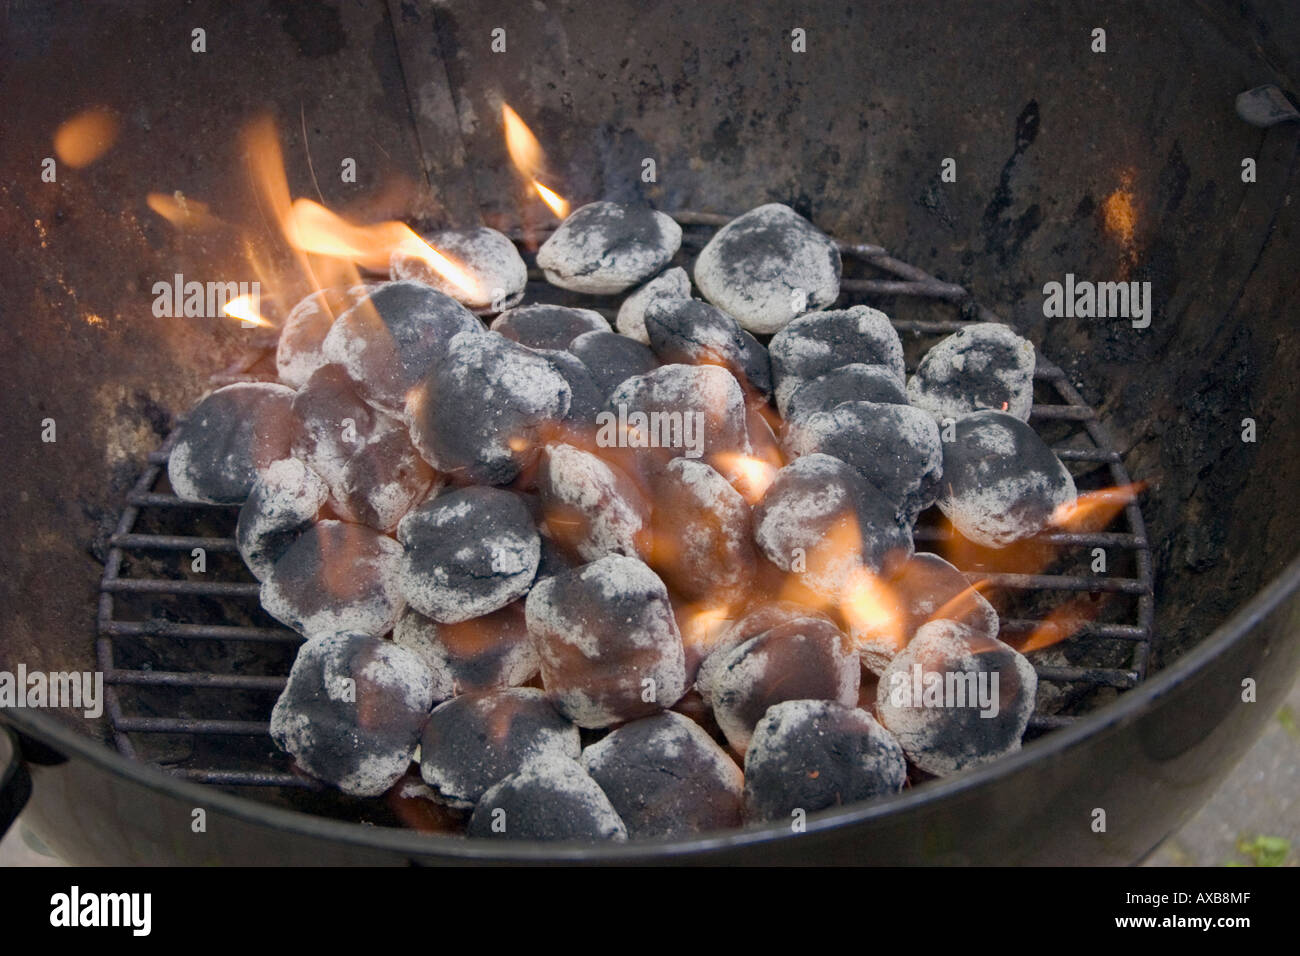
<point x="548" y="800"/>
<point x="591" y="506"/>
<point x="483" y="653"/>
<point x="666" y="777"/>
<point x="467" y="553"/>
<point x="586" y="394"/>
<point x="483" y="411"/>
<point x="478" y="739"/>
<point x="491" y="261"/>
<point x="983" y="366"/>
<point x="805" y="659"/>
<point x="608" y="247"/>
<point x="768" y="266"/>
<point x="691" y="332"/>
<point x="608" y="641"/>
<point x="284" y="501"/>
<point x="895" y="447"/>
<point x="809" y="755"/>
<point x="612" y="358"/>
<point x="815" y="344"/>
<point x="352" y="711"/>
<point x="300" y="349"/>
<point x="336" y="578"/>
<point x="1001" y="482"/>
<point x="849" y="383"/>
<point x="955" y="699"/>
<point x="228" y="439"/>
<point x="822" y="520"/>
<point x="670" y="284"/>
<point x="547" y="326"/>
<point x="388" y="341"/>
<point x="712" y="647"/>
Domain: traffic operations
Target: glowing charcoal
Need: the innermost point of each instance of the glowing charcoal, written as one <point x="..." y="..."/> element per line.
<point x="591" y="506"/>
<point x="483" y="411"/>
<point x="666" y="777"/>
<point x="752" y="621"/>
<point x="985" y="366"/>
<point x="608" y="642"/>
<point x="388" y="342"/>
<point x="547" y="800"/>
<point x="895" y="447"/>
<point x="547" y="326"/>
<point x="956" y="699"/>
<point x="336" y="578"/>
<point x="807" y="659"/>
<point x="467" y="553"/>
<point x="497" y="271"/>
<point x="230" y="437"/>
<point x="282" y="504"/>
<point x="300" y="350"/>
<point x="1001" y="483"/>
<point x="768" y="266"/>
<point x="477" y="740"/>
<point x="813" y="345"/>
<point x="484" y="653"/>
<point x="822" y="520"/>
<point x="809" y="755"/>
<point x="607" y="247"/>
<point x="352" y="711"/>
<point x="670" y="284"/>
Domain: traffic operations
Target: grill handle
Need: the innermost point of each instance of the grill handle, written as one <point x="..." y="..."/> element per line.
<point x="15" y="781"/>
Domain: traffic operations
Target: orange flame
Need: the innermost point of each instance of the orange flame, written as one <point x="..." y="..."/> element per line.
<point x="1094" y="510"/>
<point x="526" y="154"/>
<point x="749" y="475"/>
<point x="869" y="605"/>
<point x="245" y="309"/>
<point x="181" y="211"/>
<point x="82" y="139"/>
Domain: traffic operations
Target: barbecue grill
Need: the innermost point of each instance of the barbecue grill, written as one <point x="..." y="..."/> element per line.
<point x="1141" y="727"/>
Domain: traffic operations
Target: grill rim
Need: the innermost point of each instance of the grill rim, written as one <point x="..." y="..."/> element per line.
<point x="911" y="281"/>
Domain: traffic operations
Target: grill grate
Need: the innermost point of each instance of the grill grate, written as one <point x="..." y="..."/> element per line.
<point x="192" y="664"/>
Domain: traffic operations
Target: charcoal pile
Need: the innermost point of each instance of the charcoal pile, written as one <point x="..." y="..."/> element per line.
<point x="644" y="575"/>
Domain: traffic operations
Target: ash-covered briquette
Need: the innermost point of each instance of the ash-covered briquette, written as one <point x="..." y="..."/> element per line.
<point x="479" y="739"/>
<point x="609" y="645"/>
<point x="284" y="501"/>
<point x="924" y="588"/>
<point x="712" y="647"/>
<point x="489" y="258"/>
<point x="850" y="383"/>
<point x="805" y="659"/>
<point x="336" y="578"/>
<point x="666" y="777"/>
<point x="229" y="438"/>
<point x="821" y="519"/>
<point x="814" y="754"/>
<point x="483" y="653"/>
<point x="366" y="457"/>
<point x="591" y="506"/>
<point x="669" y="284"/>
<point x="1001" y="482"/>
<point x="895" y="447"/>
<point x="482" y="412"/>
<point x="607" y="247"/>
<point x="768" y="266"/>
<point x="352" y="711"/>
<point x="691" y="332"/>
<point x="467" y="553"/>
<point x="680" y="410"/>
<point x="955" y="699"/>
<point x="547" y="326"/>
<point x="612" y="358"/>
<point x="548" y="800"/>
<point x="586" y="397"/>
<point x="702" y="532"/>
<point x="388" y="342"/>
<point x="983" y="366"/>
<point x="300" y="349"/>
<point x="813" y="345"/>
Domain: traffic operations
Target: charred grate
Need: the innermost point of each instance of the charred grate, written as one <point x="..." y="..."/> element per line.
<point x="192" y="665"/>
